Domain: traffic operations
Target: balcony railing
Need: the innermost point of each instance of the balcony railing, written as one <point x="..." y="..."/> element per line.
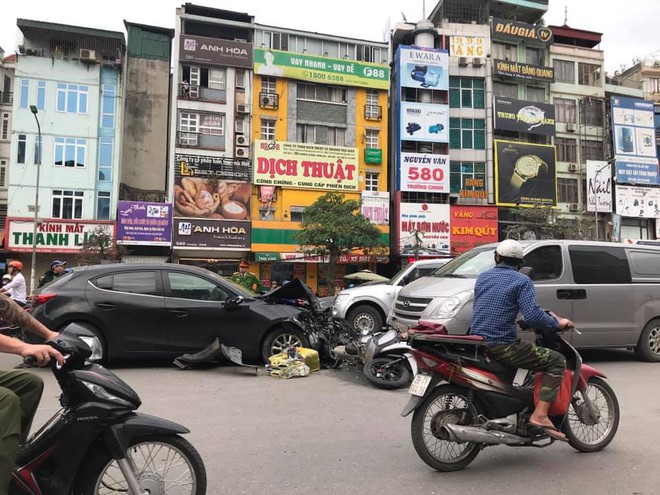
<point x="202" y="93"/>
<point x="373" y="112"/>
<point x="269" y="100"/>
<point x="187" y="139"/>
<point x="6" y="97"/>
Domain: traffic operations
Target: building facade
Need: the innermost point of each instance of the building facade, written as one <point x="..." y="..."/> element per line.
<point x="7" y="65"/>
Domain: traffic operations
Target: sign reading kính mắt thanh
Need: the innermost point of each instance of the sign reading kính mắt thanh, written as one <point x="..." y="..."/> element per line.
<point x="305" y="166"/>
<point x="503" y="29"/>
<point x="53" y="236"/>
<point x="523" y="71"/>
<point x="322" y="70"/>
<point x="215" y="51"/>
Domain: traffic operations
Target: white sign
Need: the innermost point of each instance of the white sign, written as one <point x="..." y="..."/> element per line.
<point x="640" y="202"/>
<point x="53" y="236"/>
<point x="424" y="122"/>
<point x="423" y="68"/>
<point x="599" y="186"/>
<point x="467" y="46"/>
<point x="424" y="229"/>
<point x="376" y="207"/>
<point x="424" y="172"/>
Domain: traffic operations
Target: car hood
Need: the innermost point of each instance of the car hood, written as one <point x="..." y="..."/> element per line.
<point x="437" y="287"/>
<point x="364" y="289"/>
<point x="294" y="290"/>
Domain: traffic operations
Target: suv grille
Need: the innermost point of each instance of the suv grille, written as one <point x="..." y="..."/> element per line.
<point x="410" y="306"/>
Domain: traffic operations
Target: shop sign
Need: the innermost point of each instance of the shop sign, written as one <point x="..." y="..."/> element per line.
<point x="216" y="167"/>
<point x="197" y="233"/>
<point x="305" y="166"/>
<point x="472" y="226"/>
<point x="424" y="229"/>
<point x="215" y="51"/>
<point x="424" y="122"/>
<point x="473" y="188"/>
<point x="639" y="202"/>
<point x="426" y="68"/>
<point x="342" y="260"/>
<point x="467" y="46"/>
<point x="373" y="155"/>
<point x="524" y="116"/>
<point x="376" y="207"/>
<point x="265" y="257"/>
<point x="523" y="71"/>
<point x="424" y="172"/>
<point x="599" y="186"/>
<point x="503" y="29"/>
<point x="142" y="223"/>
<point x="53" y="236"/>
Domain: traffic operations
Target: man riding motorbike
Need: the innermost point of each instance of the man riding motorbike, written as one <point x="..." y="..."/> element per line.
<point x="499" y="294"/>
<point x="20" y="390"/>
<point x="17" y="284"/>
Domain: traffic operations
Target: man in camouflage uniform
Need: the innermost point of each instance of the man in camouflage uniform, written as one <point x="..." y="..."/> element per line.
<point x="499" y="294"/>
<point x="247" y="279"/>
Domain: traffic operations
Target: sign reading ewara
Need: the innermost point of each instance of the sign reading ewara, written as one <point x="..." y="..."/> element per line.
<point x="53" y="236"/>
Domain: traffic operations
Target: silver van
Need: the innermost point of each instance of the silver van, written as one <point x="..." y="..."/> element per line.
<point x="611" y="291"/>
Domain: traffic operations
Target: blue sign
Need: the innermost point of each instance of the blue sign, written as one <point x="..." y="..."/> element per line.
<point x="424" y="68"/>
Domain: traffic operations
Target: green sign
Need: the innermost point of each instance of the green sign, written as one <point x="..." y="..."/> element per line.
<point x="373" y="155"/>
<point x="261" y="257"/>
<point x="321" y="69"/>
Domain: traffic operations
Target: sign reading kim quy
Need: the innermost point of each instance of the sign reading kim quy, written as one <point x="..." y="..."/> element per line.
<point x="503" y="29"/>
<point x="524" y="116"/>
<point x="305" y="166"/>
<point x="523" y="71"/>
<point x="214" y="51"/>
<point x="472" y="226"/>
<point x="197" y="233"/>
<point x="525" y="174"/>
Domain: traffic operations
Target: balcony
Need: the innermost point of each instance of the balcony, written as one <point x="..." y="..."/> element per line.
<point x="185" y="139"/>
<point x="6" y="97"/>
<point x="202" y="93"/>
<point x="269" y="100"/>
<point x="373" y="112"/>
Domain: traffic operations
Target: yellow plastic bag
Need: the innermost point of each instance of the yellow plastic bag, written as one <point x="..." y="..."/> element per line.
<point x="311" y="358"/>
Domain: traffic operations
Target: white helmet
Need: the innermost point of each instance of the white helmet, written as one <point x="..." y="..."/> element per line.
<point x="510" y="249"/>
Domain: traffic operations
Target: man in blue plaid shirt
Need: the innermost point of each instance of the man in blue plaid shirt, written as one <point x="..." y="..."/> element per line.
<point x="499" y="294"/>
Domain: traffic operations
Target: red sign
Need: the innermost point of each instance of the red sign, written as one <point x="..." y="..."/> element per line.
<point x="472" y="226"/>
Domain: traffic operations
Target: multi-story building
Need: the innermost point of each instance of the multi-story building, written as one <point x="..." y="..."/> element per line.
<point x="644" y="75"/>
<point x="68" y="90"/>
<point x="7" y="65"/>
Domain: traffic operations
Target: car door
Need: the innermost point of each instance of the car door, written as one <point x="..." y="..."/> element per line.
<point x="131" y="306"/>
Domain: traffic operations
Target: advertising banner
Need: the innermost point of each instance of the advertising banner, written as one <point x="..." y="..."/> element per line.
<point x="525" y="174"/>
<point x="524" y="116"/>
<point x="504" y="29"/>
<point x="634" y="141"/>
<point x="214" y="51"/>
<point x="141" y="223"/>
<point x="376" y="207"/>
<point x="322" y="70"/>
<point x="523" y="71"/>
<point x="634" y="201"/>
<point x="599" y="186"/>
<point x="199" y="233"/>
<point x="424" y="229"/>
<point x="53" y="235"/>
<point x="305" y="166"/>
<point x="467" y="46"/>
<point x="424" y="172"/>
<point x="472" y="226"/>
<point x="423" y="68"/>
<point x="424" y="122"/>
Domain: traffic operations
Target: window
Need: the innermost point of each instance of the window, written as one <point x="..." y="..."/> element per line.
<point x="22" y="145"/>
<point x="67" y="204"/>
<point x="461" y="172"/>
<point x="535" y="93"/>
<point x="465" y="92"/>
<point x="306" y="133"/>
<point x="276" y="41"/>
<point x="336" y="136"/>
<point x="506" y="90"/>
<point x="106" y="151"/>
<point x="212" y="124"/>
<point x="467" y="134"/>
<point x="591" y="150"/>
<point x="372" y="140"/>
<point x="317" y="134"/>
<point x="41" y="95"/>
<point x="267" y="129"/>
<point x="645" y="264"/>
<point x="297" y="213"/>
<point x="135" y="283"/>
<point x="599" y="265"/>
<point x="240" y="79"/>
<point x="592" y="112"/>
<point x="564" y="71"/>
<point x="373" y="110"/>
<point x="71" y="98"/>
<point x="3" y="173"/>
<point x="268" y="85"/>
<point x="321" y="93"/>
<point x="654" y="85"/>
<point x="217" y="79"/>
<point x="186" y="286"/>
<point x="566" y="150"/>
<point x="546" y="263"/>
<point x="108" y="106"/>
<point x="565" y="110"/>
<point x="5" y="126"/>
<point x="38" y="143"/>
<point x="25" y="93"/>
<point x="504" y="51"/>
<point x="70" y="152"/>
<point x="103" y="205"/>
<point x="568" y="190"/>
<point x="588" y="74"/>
<point x="371" y="181"/>
<point x="533" y="56"/>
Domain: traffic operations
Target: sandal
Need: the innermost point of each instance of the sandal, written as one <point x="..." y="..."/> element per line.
<point x="549" y="430"/>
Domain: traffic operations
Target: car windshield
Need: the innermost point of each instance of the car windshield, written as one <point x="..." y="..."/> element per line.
<point x="468" y="265"/>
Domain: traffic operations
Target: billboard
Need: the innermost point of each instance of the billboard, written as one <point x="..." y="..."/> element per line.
<point x="504" y="29"/>
<point x="524" y="116"/>
<point x="426" y="68"/>
<point x="523" y="71"/>
<point x="305" y="166"/>
<point x="634" y="141"/>
<point x="319" y="69"/>
<point x="599" y="186"/>
<point x="144" y="224"/>
<point x="424" y="122"/>
<point x="423" y="172"/>
<point x="472" y="226"/>
<point x="200" y="233"/>
<point x="214" y="51"/>
<point x="53" y="235"/>
<point x="424" y="229"/>
<point x="636" y="201"/>
<point x="376" y="207"/>
<point x="525" y="174"/>
<point x="467" y="46"/>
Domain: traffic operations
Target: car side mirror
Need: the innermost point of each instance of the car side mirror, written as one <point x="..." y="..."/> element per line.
<point x="232" y="303"/>
<point x="405" y="280"/>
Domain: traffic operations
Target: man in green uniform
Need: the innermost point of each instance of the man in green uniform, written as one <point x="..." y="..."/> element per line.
<point x="20" y="390"/>
<point x="247" y="279"/>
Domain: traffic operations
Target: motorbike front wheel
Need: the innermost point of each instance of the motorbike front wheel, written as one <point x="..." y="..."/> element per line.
<point x="447" y="404"/>
<point x="387" y="373"/>
<point x="163" y="465"/>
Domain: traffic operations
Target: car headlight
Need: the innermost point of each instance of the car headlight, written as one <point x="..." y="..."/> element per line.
<point x="342" y="298"/>
<point x="452" y="305"/>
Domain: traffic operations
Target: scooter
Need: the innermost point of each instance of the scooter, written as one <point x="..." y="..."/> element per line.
<point x="97" y="443"/>
<point x="463" y="401"/>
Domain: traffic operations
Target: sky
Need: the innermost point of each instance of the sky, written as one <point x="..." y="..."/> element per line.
<point x="627" y="33"/>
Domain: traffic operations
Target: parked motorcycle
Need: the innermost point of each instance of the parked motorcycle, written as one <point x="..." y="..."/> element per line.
<point x="97" y="443"/>
<point x="480" y="406"/>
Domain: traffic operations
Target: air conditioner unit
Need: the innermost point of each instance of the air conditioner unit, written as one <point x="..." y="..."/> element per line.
<point x="462" y="62"/>
<point x="87" y="55"/>
<point x="243" y="152"/>
<point x="571" y="127"/>
<point x="574" y="207"/>
<point x="242" y="108"/>
<point x="476" y="62"/>
<point x="269" y="100"/>
<point x="572" y="167"/>
<point x="242" y="140"/>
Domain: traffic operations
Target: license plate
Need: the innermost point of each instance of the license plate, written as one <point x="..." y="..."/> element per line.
<point x="419" y="385"/>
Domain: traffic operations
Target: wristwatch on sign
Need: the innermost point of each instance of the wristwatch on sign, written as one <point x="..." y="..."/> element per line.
<point x="527" y="167"/>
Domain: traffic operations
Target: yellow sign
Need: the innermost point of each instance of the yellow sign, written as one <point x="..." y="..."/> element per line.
<point x="467" y="46"/>
<point x="305" y="166"/>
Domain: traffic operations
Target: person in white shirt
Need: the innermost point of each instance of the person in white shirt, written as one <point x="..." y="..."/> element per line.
<point x="16" y="288"/>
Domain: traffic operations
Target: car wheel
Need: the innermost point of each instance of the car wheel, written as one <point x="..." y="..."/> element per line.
<point x="95" y="341"/>
<point x="648" y="346"/>
<point x="280" y="339"/>
<point x="365" y="319"/>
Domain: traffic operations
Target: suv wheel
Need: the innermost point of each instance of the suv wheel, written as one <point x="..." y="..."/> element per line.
<point x="365" y="319"/>
<point x="280" y="340"/>
<point x="648" y="347"/>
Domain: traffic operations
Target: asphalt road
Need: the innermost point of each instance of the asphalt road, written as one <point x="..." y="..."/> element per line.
<point x="332" y="433"/>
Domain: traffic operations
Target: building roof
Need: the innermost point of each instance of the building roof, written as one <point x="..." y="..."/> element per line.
<point x="28" y="26"/>
<point x="229" y="15"/>
<point x="566" y="35"/>
<point x="152" y="29"/>
<point x="10" y="58"/>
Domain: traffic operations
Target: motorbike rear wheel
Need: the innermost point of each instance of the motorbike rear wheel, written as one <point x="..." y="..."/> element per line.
<point x="447" y="404"/>
<point x="384" y="373"/>
<point x="163" y="464"/>
<point x="581" y="433"/>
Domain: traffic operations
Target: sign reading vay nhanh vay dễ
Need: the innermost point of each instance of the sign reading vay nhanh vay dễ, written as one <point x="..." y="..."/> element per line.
<point x="53" y="236"/>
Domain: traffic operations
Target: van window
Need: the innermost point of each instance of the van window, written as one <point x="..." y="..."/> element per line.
<point x="645" y="263"/>
<point x="545" y="262"/>
<point x="599" y="265"/>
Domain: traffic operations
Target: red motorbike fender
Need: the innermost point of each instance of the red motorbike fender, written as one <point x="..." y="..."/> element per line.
<point x="586" y="372"/>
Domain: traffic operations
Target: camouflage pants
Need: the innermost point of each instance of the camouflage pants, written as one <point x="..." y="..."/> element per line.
<point x="530" y="357"/>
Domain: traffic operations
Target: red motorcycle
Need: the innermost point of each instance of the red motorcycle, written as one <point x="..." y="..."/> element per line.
<point x="464" y="401"/>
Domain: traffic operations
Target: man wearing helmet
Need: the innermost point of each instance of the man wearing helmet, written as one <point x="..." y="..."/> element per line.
<point x="499" y="295"/>
<point x="57" y="268"/>
<point x="17" y="285"/>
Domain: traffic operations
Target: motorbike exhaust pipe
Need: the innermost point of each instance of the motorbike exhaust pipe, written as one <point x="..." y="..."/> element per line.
<point x="461" y="434"/>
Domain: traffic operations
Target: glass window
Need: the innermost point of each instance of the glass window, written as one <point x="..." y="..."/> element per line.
<point x="589" y="74"/>
<point x="186" y="286"/>
<point x="305" y="133"/>
<point x="566" y="150"/>
<point x="372" y="140"/>
<point x="240" y="78"/>
<point x="645" y="263"/>
<point x="217" y="79"/>
<point x="3" y="173"/>
<point x="466" y="92"/>
<point x="505" y="89"/>
<point x="533" y="56"/>
<point x="568" y="190"/>
<point x="106" y="149"/>
<point x="565" y="110"/>
<point x="268" y="85"/>
<point x="467" y="133"/>
<point x="104" y="282"/>
<point x="5" y="126"/>
<point x="70" y="152"/>
<point x="321" y="92"/>
<point x="135" y="283"/>
<point x="108" y="106"/>
<point x="72" y="98"/>
<point x="599" y="265"/>
<point x="462" y="172"/>
<point x="592" y="112"/>
<point x="212" y="124"/>
<point x="67" y="204"/>
<point x="371" y="181"/>
<point x="592" y="150"/>
<point x="504" y="51"/>
<point x="41" y="95"/>
<point x="535" y="93"/>
<point x="546" y="263"/>
<point x="103" y="205"/>
<point x="25" y="93"/>
<point x="22" y="145"/>
<point x="267" y="129"/>
<point x="564" y="71"/>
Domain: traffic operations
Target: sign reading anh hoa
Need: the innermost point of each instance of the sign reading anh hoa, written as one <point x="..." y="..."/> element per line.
<point x="53" y="236"/>
<point x="305" y="166"/>
<point x="424" y="229"/>
<point x="641" y="202"/>
<point x="423" y="68"/>
<point x="424" y="172"/>
<point x="467" y="46"/>
<point x="215" y="51"/>
<point x="376" y="207"/>
<point x="198" y="233"/>
<point x="472" y="226"/>
<point x="599" y="186"/>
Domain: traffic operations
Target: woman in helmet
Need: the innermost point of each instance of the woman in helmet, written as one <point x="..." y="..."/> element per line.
<point x="16" y="288"/>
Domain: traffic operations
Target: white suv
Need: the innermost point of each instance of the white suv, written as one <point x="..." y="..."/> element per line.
<point x="366" y="306"/>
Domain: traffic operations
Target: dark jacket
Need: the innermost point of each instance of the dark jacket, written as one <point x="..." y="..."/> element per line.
<point x="47" y="278"/>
